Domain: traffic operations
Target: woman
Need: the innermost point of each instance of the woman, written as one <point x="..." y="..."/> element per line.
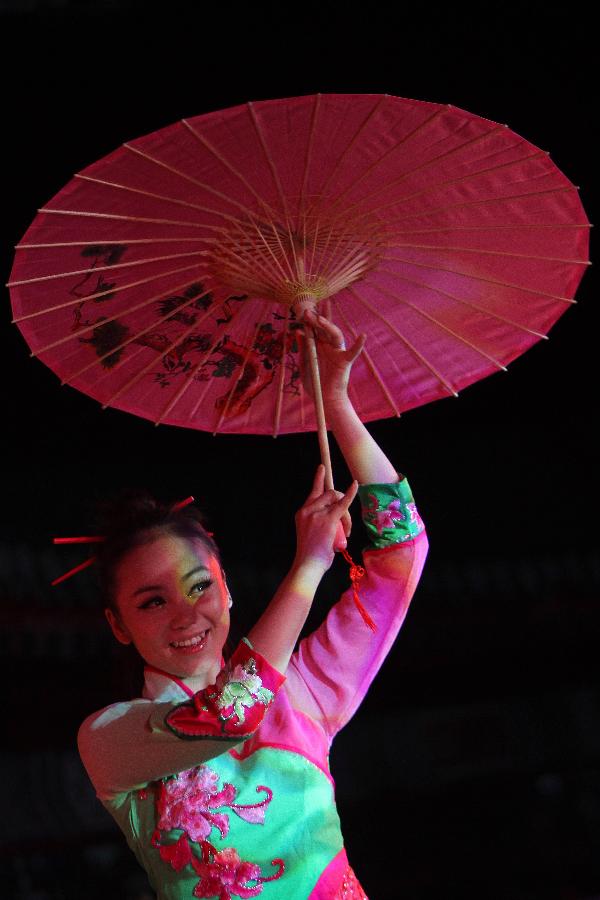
<point x="218" y="775"/>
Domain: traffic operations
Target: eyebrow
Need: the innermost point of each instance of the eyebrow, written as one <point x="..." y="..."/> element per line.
<point x="159" y="587"/>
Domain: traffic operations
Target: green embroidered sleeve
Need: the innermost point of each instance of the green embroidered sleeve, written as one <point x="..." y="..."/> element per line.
<point x="389" y="513"/>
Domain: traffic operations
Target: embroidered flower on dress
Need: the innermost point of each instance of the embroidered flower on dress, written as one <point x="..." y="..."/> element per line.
<point x="240" y="688"/>
<point x="187" y="800"/>
<point x="226" y="875"/>
<point x="385" y="516"/>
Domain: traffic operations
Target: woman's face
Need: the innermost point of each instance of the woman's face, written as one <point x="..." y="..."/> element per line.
<point x="173" y="606"/>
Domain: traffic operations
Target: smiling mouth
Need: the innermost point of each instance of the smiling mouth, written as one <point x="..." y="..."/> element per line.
<point x="191" y="645"/>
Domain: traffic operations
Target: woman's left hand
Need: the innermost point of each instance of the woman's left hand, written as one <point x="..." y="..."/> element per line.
<point x="335" y="362"/>
<point x="318" y="520"/>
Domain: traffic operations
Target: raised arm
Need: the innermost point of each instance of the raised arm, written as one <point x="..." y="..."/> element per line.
<point x="365" y="459"/>
<point x="276" y="632"/>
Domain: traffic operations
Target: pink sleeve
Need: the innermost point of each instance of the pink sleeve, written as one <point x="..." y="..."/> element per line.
<point x="332" y="669"/>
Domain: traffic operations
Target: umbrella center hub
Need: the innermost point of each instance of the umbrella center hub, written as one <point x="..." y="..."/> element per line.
<point x="306" y="261"/>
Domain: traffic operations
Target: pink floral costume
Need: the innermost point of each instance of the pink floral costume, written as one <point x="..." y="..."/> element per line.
<point x="227" y="793"/>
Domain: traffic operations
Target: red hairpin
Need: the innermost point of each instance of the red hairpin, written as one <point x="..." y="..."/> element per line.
<point x="98" y="539"/>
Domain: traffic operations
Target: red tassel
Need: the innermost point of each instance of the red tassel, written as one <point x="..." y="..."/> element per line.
<point x="356" y="573"/>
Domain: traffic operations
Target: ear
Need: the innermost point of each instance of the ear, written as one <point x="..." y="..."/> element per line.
<point x="229" y="600"/>
<point x="118" y="629"/>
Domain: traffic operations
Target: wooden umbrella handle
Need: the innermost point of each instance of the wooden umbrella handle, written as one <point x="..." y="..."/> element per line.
<point x="340" y="541"/>
<point x="313" y="362"/>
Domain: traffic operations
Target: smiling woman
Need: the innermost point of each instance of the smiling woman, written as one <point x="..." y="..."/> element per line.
<point x="181" y="767"/>
<point x="171" y="601"/>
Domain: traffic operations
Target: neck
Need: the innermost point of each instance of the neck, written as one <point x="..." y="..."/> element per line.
<point x="191" y="684"/>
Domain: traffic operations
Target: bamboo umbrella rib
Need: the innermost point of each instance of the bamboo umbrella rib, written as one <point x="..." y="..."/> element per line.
<point x="246" y="245"/>
<point x="109" y="371"/>
<point x="452" y="228"/>
<point x="351" y="275"/>
<point x="478" y="251"/>
<point x="315" y="239"/>
<point x="405" y="340"/>
<point x="268" y="212"/>
<point x="358" y="133"/>
<point x="200" y="184"/>
<point x="441" y="325"/>
<point x="308" y="157"/>
<point x="123" y="265"/>
<point x="276" y="179"/>
<point x="487" y="312"/>
<point x="508" y="284"/>
<point x="138" y="335"/>
<point x="281" y="380"/>
<point x="233" y="169"/>
<point x="251" y="344"/>
<point x="469" y="203"/>
<point x="271" y="164"/>
<point x="122" y="315"/>
<point x="368" y="358"/>
<point x="113" y="290"/>
<point x="189" y="376"/>
<point x="434" y="187"/>
<point x="436" y="159"/>
<point x="270" y="249"/>
<point x="107" y="243"/>
<point x="139" y="219"/>
<point x="241" y="268"/>
<point x="354" y="244"/>
<point x="131" y="190"/>
<point x="275" y="231"/>
<point x="259" y="260"/>
<point x="405" y="175"/>
<point x="161" y="353"/>
<point x="325" y="247"/>
<point x="343" y="264"/>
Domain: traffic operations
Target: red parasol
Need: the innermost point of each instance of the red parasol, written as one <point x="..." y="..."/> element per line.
<point x="168" y="278"/>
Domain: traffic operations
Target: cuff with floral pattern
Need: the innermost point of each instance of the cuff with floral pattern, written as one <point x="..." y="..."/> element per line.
<point x="234" y="706"/>
<point x="389" y="513"/>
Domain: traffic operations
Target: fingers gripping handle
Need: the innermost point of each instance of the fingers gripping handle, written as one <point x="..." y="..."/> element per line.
<point x="312" y="360"/>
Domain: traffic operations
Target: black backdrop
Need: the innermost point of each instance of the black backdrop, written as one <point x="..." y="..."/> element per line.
<point x="472" y="768"/>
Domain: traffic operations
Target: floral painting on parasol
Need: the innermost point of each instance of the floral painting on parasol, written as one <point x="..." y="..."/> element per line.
<point x="169" y="278"/>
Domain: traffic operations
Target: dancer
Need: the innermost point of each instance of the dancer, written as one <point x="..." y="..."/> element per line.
<point x="218" y="775"/>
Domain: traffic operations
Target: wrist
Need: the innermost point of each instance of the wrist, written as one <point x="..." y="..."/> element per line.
<point x="306" y="573"/>
<point x="338" y="406"/>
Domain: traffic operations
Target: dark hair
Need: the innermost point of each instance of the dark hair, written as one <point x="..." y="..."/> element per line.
<point x="131" y="519"/>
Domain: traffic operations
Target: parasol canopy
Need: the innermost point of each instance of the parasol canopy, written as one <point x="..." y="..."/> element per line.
<point x="168" y="279"/>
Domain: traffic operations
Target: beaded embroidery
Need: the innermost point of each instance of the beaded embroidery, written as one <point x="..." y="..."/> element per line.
<point x="390" y="515"/>
<point x="188" y="801"/>
<point x="238" y="689"/>
<point x="350" y="889"/>
<point x="383" y="516"/>
<point x="227" y="875"/>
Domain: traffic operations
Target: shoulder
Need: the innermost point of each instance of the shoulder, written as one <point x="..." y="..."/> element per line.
<point x="94" y="725"/>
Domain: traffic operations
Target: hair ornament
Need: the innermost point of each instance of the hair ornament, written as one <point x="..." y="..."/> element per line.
<point x="182" y="504"/>
<point x="98" y="539"/>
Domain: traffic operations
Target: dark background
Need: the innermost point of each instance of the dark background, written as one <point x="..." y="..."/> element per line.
<point x="473" y="767"/>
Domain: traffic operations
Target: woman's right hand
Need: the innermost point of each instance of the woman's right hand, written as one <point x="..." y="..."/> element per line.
<point x="318" y="523"/>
